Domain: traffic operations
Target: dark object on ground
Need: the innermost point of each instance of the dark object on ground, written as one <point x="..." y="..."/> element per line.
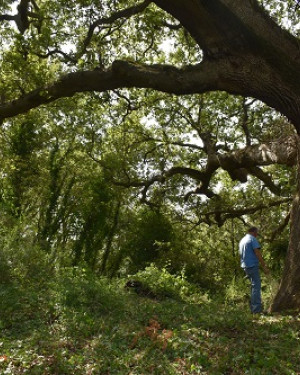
<point x="140" y="289"/>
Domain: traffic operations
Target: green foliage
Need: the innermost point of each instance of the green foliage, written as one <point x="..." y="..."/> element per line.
<point x="5" y="272"/>
<point x="278" y="252"/>
<point x="151" y="235"/>
<point x="163" y="283"/>
<point x="21" y="258"/>
<point x="209" y="258"/>
<point x="73" y="173"/>
<point x="78" y="324"/>
<point x="19" y="165"/>
<point x="92" y="218"/>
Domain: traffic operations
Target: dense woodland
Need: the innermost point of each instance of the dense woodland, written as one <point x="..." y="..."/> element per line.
<point x="141" y="140"/>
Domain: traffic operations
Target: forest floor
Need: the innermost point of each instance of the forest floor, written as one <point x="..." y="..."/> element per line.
<point x="83" y="325"/>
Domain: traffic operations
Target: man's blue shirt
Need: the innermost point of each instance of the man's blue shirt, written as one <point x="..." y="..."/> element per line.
<point x="246" y="251"/>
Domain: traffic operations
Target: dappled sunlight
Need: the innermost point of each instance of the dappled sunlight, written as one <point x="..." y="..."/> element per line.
<point x="132" y="334"/>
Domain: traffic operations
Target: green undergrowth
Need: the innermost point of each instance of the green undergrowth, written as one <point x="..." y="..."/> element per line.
<point x="76" y="323"/>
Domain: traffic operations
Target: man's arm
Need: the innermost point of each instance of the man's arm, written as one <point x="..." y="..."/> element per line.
<point x="261" y="261"/>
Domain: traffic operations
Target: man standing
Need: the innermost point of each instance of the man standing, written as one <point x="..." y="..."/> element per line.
<point x="249" y="250"/>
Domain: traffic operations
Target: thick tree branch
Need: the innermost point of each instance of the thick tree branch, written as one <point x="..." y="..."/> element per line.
<point x="22" y="20"/>
<point x="220" y="216"/>
<point x="204" y="77"/>
<point x="122" y="74"/>
<point x="282" y="151"/>
<point x="266" y="178"/>
<point x="245" y="53"/>
<point x="233" y="29"/>
<point x="237" y="163"/>
<point x="226" y="26"/>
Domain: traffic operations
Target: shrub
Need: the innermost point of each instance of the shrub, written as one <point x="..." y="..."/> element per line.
<point x="163" y="283"/>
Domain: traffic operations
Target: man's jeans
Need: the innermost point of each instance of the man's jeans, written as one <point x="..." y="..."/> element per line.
<point x="254" y="277"/>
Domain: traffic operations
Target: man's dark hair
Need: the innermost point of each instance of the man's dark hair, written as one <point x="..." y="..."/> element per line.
<point x="253" y="230"/>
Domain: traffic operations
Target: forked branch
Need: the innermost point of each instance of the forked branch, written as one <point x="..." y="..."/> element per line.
<point x="238" y="164"/>
<point x="124" y="13"/>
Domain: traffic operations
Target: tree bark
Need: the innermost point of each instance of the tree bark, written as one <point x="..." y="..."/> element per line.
<point x="255" y="53"/>
<point x="288" y="295"/>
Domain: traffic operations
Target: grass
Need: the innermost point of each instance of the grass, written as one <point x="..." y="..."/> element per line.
<point x="78" y="324"/>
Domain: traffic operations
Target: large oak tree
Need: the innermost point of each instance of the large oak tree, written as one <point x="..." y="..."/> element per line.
<point x="52" y="51"/>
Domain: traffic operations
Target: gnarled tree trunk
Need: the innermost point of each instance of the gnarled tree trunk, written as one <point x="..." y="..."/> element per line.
<point x="288" y="295"/>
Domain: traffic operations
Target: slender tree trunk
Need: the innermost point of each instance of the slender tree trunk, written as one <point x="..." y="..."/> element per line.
<point x="110" y="238"/>
<point x="288" y="295"/>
